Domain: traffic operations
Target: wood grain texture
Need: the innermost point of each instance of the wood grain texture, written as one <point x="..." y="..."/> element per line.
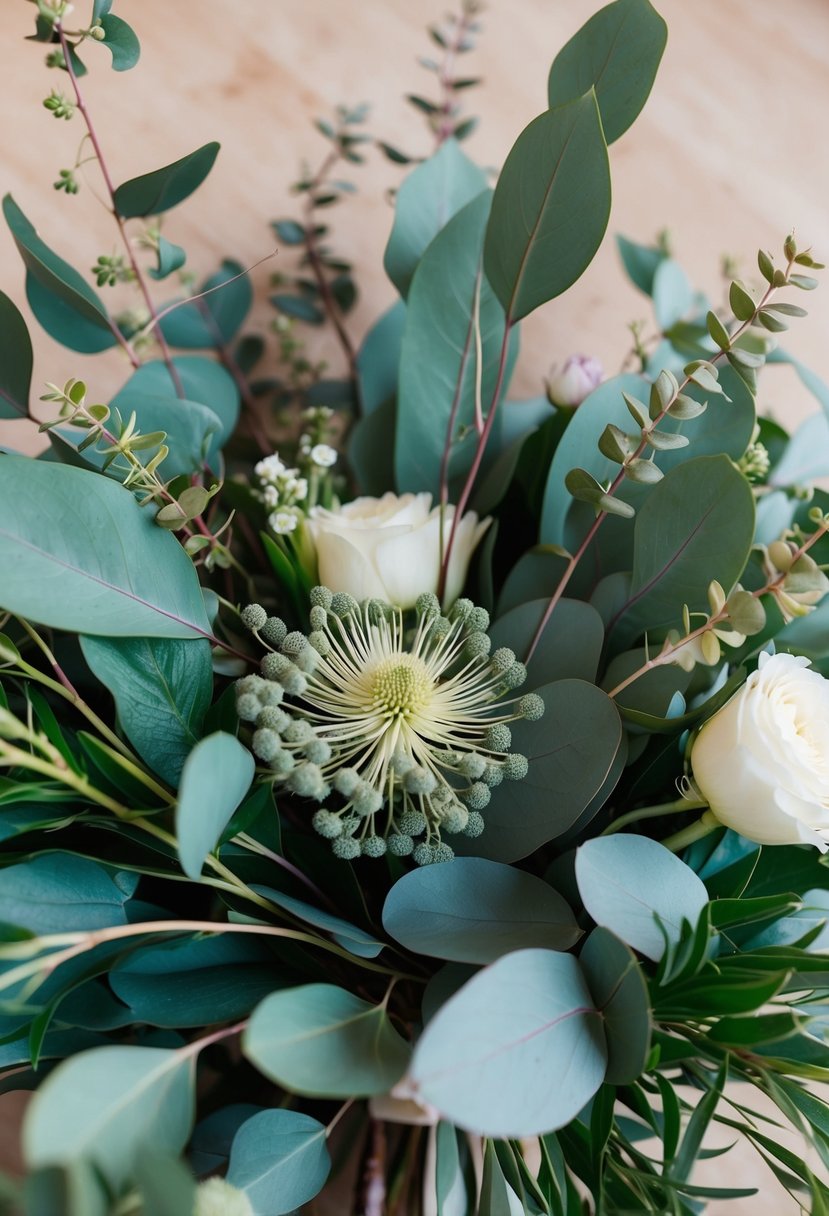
<point x="728" y="154"/>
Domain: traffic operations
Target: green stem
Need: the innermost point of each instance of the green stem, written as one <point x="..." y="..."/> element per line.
<point x="653" y="812"/>
<point x="706" y="824"/>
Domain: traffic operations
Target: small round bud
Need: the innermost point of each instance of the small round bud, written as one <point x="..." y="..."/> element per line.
<point x="248" y="706"/>
<point x="317" y="617"/>
<point x="274" y="630"/>
<point x="217" y="1197"/>
<point x="320" y="642"/>
<point x="441" y="626"/>
<point x="461" y="610"/>
<point x="401" y="764"/>
<point x="275" y="666"/>
<point x="254" y="617"/>
<point x="373" y="846"/>
<point x="318" y="751"/>
<point x="423" y="854"/>
<point x="306" y="781"/>
<point x="272" y="718"/>
<point x="321" y="597"/>
<point x="516" y="675"/>
<point x="345" y="848"/>
<point x="294" y="643"/>
<point x="454" y="818"/>
<point x="343" y="604"/>
<point x="98" y="33"/>
<point x="472" y="765"/>
<point x="254" y="684"/>
<point x="478" y="619"/>
<point x="327" y="824"/>
<point x="266" y="743"/>
<point x="411" y="823"/>
<point x="299" y="731"/>
<point x="399" y="846"/>
<point x="531" y="707"/>
<point x="477" y="796"/>
<point x="307" y="660"/>
<point x="516" y="767"/>
<point x="283" y="763"/>
<point x="272" y="694"/>
<point x="474" y="825"/>
<point x="419" y="780"/>
<point x="492" y="775"/>
<point x="502" y="659"/>
<point x="350" y="825"/>
<point x="477" y="645"/>
<point x="427" y="604"/>
<point x="366" y="800"/>
<point x="294" y="681"/>
<point x="498" y="738"/>
<point x="346" y="781"/>
<point x="442" y="852"/>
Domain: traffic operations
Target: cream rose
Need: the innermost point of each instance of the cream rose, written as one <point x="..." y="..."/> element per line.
<point x="389" y="548"/>
<point x="762" y="761"/>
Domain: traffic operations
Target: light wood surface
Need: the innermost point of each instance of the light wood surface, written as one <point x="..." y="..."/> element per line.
<point x="729" y="154"/>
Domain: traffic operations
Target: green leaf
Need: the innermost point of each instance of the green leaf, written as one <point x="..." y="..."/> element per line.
<point x="696" y="525"/>
<point x="640" y="262"/>
<point x="680" y="1168"/>
<point x="571" y="751"/>
<point x="15" y="361"/>
<point x="80" y="554"/>
<point x="202" y="379"/>
<point x="60" y="893"/>
<point x="496" y="1197"/>
<point x="289" y="232"/>
<point x="195" y="981"/>
<point x="378" y="359"/>
<point x="107" y="1105"/>
<point x="580" y="623"/>
<point x="321" y="1040"/>
<point x="162" y="689"/>
<point x="349" y="936"/>
<point x="517" y="1051"/>
<point x="298" y="307"/>
<point x="621" y="994"/>
<point x="159" y="191"/>
<point x="550" y="208"/>
<point x="617" y="52"/>
<point x="215" y="778"/>
<point x="61" y="299"/>
<point x="626" y="881"/>
<point x="122" y="41"/>
<point x="280" y="1160"/>
<point x="742" y="305"/>
<point x="427" y="199"/>
<point x="165" y="1184"/>
<point x="438" y="369"/>
<point x="673" y="295"/>
<point x="216" y="318"/>
<point x="371" y="449"/>
<point x="170" y="258"/>
<point x="475" y="910"/>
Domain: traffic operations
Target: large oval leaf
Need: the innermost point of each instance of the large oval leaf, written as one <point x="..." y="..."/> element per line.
<point x="15" y="361"/>
<point x="616" y="52"/>
<point x="571" y="751"/>
<point x="438" y="363"/>
<point x="626" y="881"/>
<point x="580" y="623"/>
<point x="215" y="319"/>
<point x="427" y="200"/>
<point x="620" y="991"/>
<point x="152" y="193"/>
<point x="378" y="359"/>
<point x="215" y="778"/>
<point x="550" y="208"/>
<point x="78" y="553"/>
<point x="517" y="1051"/>
<point x="109" y="1104"/>
<point x="162" y="689"/>
<point x="280" y="1160"/>
<point x="59" y="893"/>
<point x="202" y="379"/>
<point x="476" y="910"/>
<point x="321" y="1040"/>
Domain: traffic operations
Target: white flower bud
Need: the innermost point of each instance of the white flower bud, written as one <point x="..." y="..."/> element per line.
<point x="568" y="386"/>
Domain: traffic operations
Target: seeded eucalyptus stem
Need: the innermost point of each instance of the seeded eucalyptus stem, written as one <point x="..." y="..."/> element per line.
<point x="446" y="75"/>
<point x="315" y="262"/>
<point x="620" y="476"/>
<point x="102" y="164"/>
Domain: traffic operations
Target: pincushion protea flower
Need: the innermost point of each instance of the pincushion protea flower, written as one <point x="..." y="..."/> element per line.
<point x="397" y="722"/>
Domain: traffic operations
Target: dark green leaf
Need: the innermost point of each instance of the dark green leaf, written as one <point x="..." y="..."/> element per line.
<point x="170" y="257"/>
<point x="289" y="232"/>
<point x="617" y="52"/>
<point x="621" y="995"/>
<point x="378" y="359"/>
<point x="573" y="619"/>
<point x="298" y="307"/>
<point x="15" y="361"/>
<point x="155" y="192"/>
<point x="550" y="208"/>
<point x="640" y="262"/>
<point x="216" y="318"/>
<point x="122" y="41"/>
<point x="59" y="893"/>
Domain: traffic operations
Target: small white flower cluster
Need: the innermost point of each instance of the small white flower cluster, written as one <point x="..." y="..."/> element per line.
<point x="283" y="490"/>
<point x="321" y="455"/>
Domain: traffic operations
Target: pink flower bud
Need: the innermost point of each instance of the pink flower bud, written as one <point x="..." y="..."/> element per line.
<point x="568" y="386"/>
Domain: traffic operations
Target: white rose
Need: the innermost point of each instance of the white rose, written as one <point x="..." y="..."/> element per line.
<point x="568" y="386"/>
<point x="389" y="548"/>
<point x="762" y="761"/>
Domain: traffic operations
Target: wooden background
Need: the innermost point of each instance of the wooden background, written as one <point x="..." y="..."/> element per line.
<point x="729" y="154"/>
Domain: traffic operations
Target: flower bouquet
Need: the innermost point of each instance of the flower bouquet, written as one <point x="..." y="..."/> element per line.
<point x="413" y="799"/>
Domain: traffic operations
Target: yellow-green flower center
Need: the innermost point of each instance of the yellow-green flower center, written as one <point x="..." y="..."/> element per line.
<point x="401" y="686"/>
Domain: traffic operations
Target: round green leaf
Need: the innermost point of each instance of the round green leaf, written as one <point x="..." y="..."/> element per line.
<point x="474" y="910"/>
<point x="202" y="379"/>
<point x="571" y="751"/>
<point x="427" y="199"/>
<point x="626" y="881"/>
<point x="280" y="1160"/>
<point x="215" y="778"/>
<point x="78" y="553"/>
<point x="215" y="319"/>
<point x="164" y="188"/>
<point x="321" y="1040"/>
<point x="107" y="1105"/>
<point x="621" y="994"/>
<point x="575" y="620"/>
<point x="617" y="52"/>
<point x="550" y="208"/>
<point x="122" y="42"/>
<point x="517" y="1051"/>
